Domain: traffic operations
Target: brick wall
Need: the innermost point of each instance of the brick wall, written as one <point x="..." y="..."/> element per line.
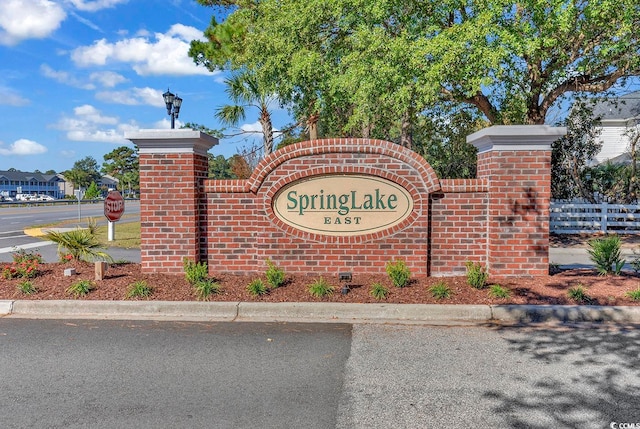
<point x="243" y="232"/>
<point x="515" y="163"/>
<point x="169" y="209"/>
<point x="458" y="225"/>
<point x="519" y="189"/>
<point x="499" y="219"/>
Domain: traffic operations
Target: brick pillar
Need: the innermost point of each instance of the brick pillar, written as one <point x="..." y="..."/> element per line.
<point x="173" y="164"/>
<point x="516" y="162"/>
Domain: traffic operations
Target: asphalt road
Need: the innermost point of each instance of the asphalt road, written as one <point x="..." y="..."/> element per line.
<point x="95" y="374"/>
<point x="14" y="220"/>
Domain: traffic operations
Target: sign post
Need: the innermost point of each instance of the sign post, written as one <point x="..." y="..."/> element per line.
<point x="113" y="210"/>
<point x="79" y="195"/>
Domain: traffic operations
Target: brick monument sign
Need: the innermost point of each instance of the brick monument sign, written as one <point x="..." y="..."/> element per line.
<point x="348" y="204"/>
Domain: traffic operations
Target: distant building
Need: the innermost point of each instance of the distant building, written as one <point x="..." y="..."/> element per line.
<point x="107" y="182"/>
<point x="104" y="183"/>
<point x="20" y="182"/>
<point x="617" y="116"/>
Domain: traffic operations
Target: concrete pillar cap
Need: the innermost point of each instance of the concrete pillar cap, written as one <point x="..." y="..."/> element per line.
<point x="516" y="137"/>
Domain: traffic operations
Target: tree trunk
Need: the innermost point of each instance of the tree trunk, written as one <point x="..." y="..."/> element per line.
<point x="631" y="192"/>
<point x="406" y="135"/>
<point x="312" y="126"/>
<point x="267" y="131"/>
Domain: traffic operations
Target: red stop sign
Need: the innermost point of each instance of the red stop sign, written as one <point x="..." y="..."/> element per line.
<point x="113" y="206"/>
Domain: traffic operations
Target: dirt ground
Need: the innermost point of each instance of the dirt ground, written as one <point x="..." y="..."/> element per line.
<point x="51" y="283"/>
<point x="551" y="289"/>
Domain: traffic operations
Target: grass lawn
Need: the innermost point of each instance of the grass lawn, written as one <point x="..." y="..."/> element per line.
<point x="127" y="235"/>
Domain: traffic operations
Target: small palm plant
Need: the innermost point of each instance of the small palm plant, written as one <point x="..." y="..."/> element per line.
<point x="81" y="244"/>
<point x="605" y="253"/>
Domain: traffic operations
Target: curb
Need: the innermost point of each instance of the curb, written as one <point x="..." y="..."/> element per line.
<point x="566" y="313"/>
<point x="363" y="313"/>
<point x="308" y="312"/>
<point x="70" y="309"/>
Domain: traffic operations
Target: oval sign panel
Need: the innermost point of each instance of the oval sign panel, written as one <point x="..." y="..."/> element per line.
<point x="342" y="205"/>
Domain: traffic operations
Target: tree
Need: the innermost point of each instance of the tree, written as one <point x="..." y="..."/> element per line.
<point x="441" y="139"/>
<point x="633" y="134"/>
<point x="373" y="68"/>
<point x="572" y="153"/>
<point x="219" y="167"/>
<point x="198" y="127"/>
<point x="83" y="172"/>
<point x="122" y="163"/>
<point x="245" y="92"/>
<point x="240" y="167"/>
<point x="92" y="192"/>
<point x="51" y="172"/>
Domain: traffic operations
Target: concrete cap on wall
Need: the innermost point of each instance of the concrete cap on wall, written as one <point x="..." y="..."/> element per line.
<point x="172" y="141"/>
<point x="516" y="137"/>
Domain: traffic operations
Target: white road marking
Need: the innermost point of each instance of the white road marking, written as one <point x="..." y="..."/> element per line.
<point x="13" y="237"/>
<point x="25" y="246"/>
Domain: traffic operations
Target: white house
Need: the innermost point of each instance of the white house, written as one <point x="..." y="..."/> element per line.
<point x="617" y="116"/>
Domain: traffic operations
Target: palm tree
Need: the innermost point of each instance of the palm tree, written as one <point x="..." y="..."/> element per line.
<point x="244" y="91"/>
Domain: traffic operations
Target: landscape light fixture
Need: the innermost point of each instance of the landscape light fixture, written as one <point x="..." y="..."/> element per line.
<point x="346" y="278"/>
<point x="173" y="103"/>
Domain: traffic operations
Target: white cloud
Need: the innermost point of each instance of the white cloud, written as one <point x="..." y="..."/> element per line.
<point x="64" y="77"/>
<point x="252" y="128"/>
<point x="23" y="147"/>
<point x="89" y="124"/>
<point x="165" y="124"/>
<point x="28" y="19"/>
<point x="11" y="98"/>
<point x="70" y="154"/>
<point x="108" y="79"/>
<point x="164" y="54"/>
<point x="95" y="5"/>
<point x="256" y="128"/>
<point x="91" y="114"/>
<point x="86" y="22"/>
<point x="133" y="97"/>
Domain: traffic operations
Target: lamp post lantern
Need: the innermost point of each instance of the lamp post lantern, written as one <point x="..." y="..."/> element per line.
<point x="173" y="103"/>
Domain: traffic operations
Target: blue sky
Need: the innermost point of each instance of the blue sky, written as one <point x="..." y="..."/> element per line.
<point x="75" y="75"/>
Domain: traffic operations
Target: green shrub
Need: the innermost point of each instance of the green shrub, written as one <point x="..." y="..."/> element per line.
<point x="379" y="291"/>
<point x="634" y="295"/>
<point x="257" y="288"/>
<point x="195" y="272"/>
<point x="275" y="276"/>
<point x="440" y="290"/>
<point x="205" y="288"/>
<point x="476" y="275"/>
<point x="579" y="294"/>
<point x="80" y="288"/>
<point x="139" y="289"/>
<point x="82" y="244"/>
<point x="398" y="272"/>
<point x="497" y="291"/>
<point x="605" y="253"/>
<point x="27" y="287"/>
<point x="320" y="288"/>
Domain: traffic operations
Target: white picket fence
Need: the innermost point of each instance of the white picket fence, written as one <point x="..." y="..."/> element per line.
<point x="575" y="218"/>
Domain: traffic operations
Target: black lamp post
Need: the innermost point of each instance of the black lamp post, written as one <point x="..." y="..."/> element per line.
<point x="173" y="103"/>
